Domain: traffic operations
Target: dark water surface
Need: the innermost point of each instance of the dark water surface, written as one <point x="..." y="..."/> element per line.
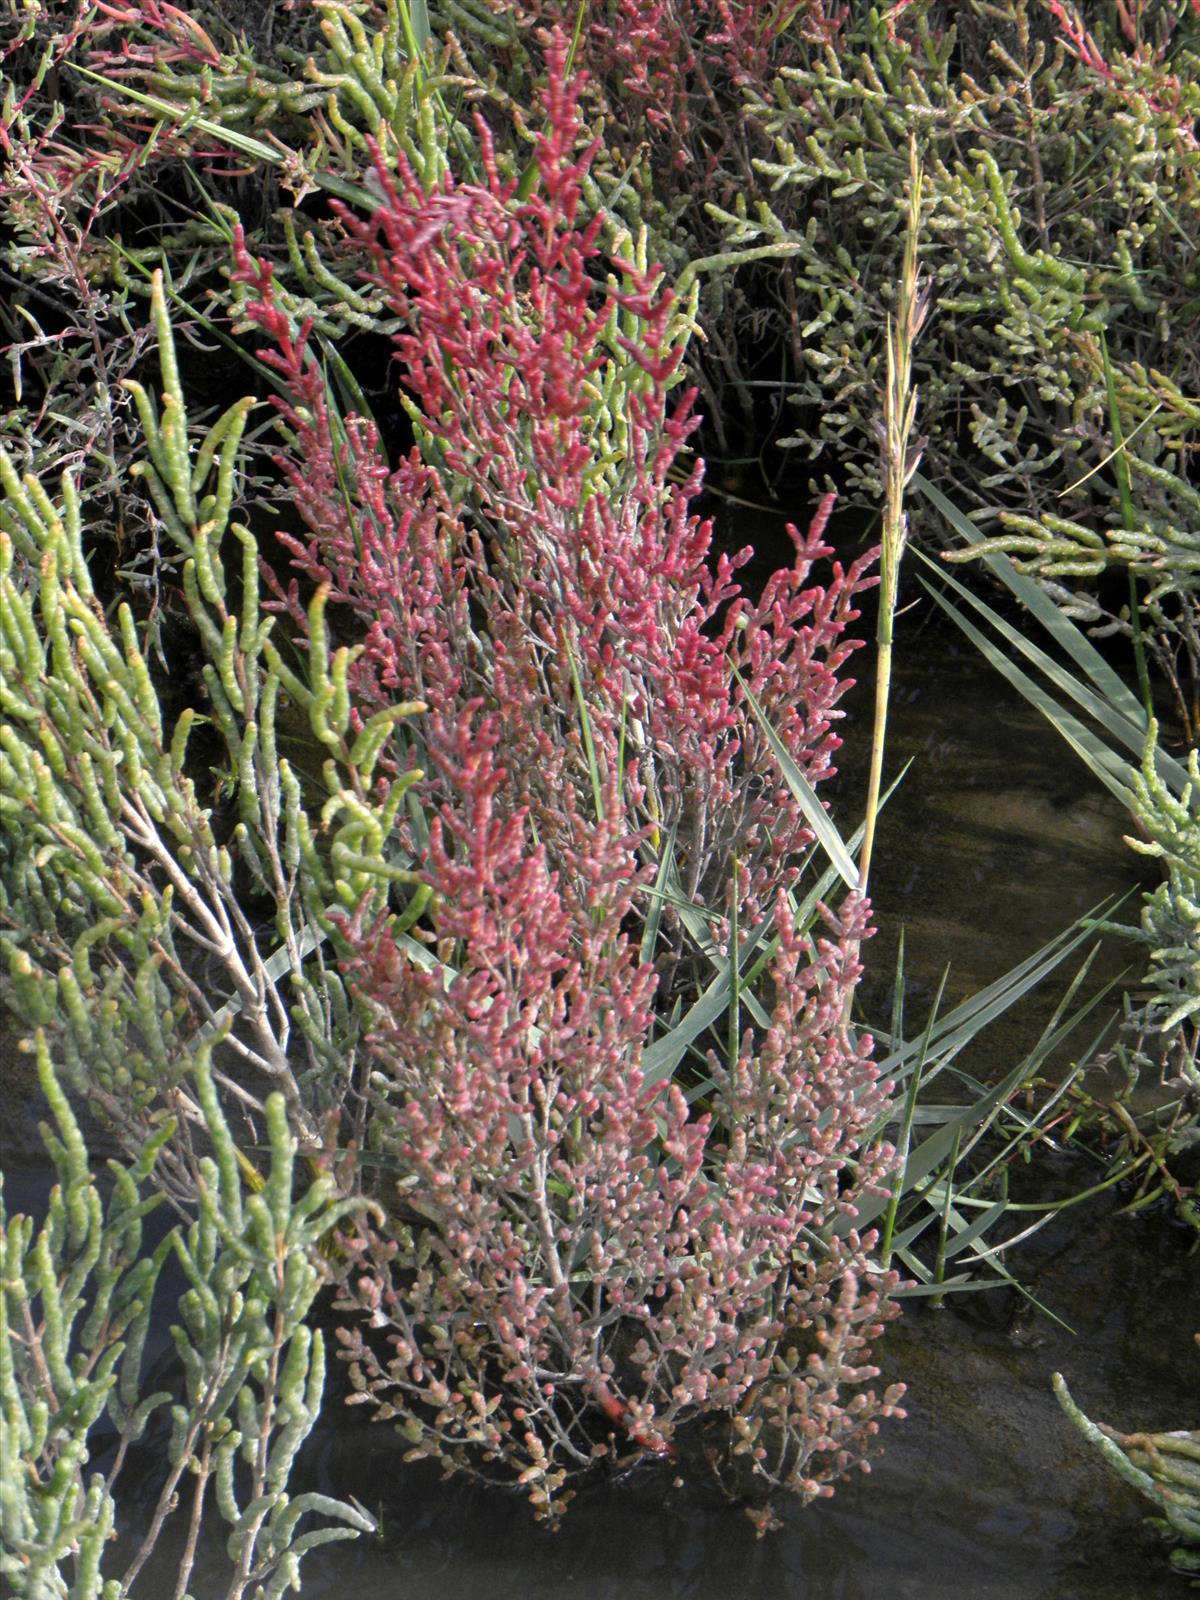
<point x="997" y="838"/>
<point x="996" y="841"/>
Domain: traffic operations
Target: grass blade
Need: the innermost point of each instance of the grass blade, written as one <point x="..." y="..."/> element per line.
<point x="957" y="1029"/>
<point x="1131" y="732"/>
<point x="804" y="794"/>
<point x="1088" y="746"/>
<point x="1038" y="604"/>
<point x="915" y="1083"/>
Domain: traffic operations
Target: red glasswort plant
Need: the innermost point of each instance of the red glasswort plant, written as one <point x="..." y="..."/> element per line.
<point x="661" y="66"/>
<point x="1138" y="74"/>
<point x="585" y="1253"/>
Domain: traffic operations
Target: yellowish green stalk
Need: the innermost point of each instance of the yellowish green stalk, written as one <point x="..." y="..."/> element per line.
<point x="901" y="454"/>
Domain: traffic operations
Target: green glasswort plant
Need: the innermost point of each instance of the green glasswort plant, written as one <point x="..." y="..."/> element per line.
<point x="77" y="1294"/>
<point x="1061" y="182"/>
<point x="1165" y="1467"/>
<point x="1170" y="929"/>
<point x="124" y="898"/>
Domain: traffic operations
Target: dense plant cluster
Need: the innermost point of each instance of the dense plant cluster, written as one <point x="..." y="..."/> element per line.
<point x="549" y="595"/>
<point x="488" y="868"/>
<point x="1058" y="381"/>
<point x="548" y="800"/>
<point x="127" y="894"/>
<point x="1169" y="829"/>
<point x="1053" y="158"/>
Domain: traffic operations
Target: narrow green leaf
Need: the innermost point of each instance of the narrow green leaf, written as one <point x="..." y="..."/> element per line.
<point x="1088" y="746"/>
<point x="1039" y="605"/>
<point x="1131" y="732"/>
<point x="804" y="794"/>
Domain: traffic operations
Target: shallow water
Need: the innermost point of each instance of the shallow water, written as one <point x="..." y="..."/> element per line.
<point x="995" y="841"/>
<point x="997" y="838"/>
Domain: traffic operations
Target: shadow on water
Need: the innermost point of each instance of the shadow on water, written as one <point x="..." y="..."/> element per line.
<point x="996" y="841"/>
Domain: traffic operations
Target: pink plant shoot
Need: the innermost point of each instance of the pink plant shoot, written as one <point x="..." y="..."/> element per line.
<point x="661" y="66"/>
<point x="591" y="1244"/>
<point x="1137" y="75"/>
